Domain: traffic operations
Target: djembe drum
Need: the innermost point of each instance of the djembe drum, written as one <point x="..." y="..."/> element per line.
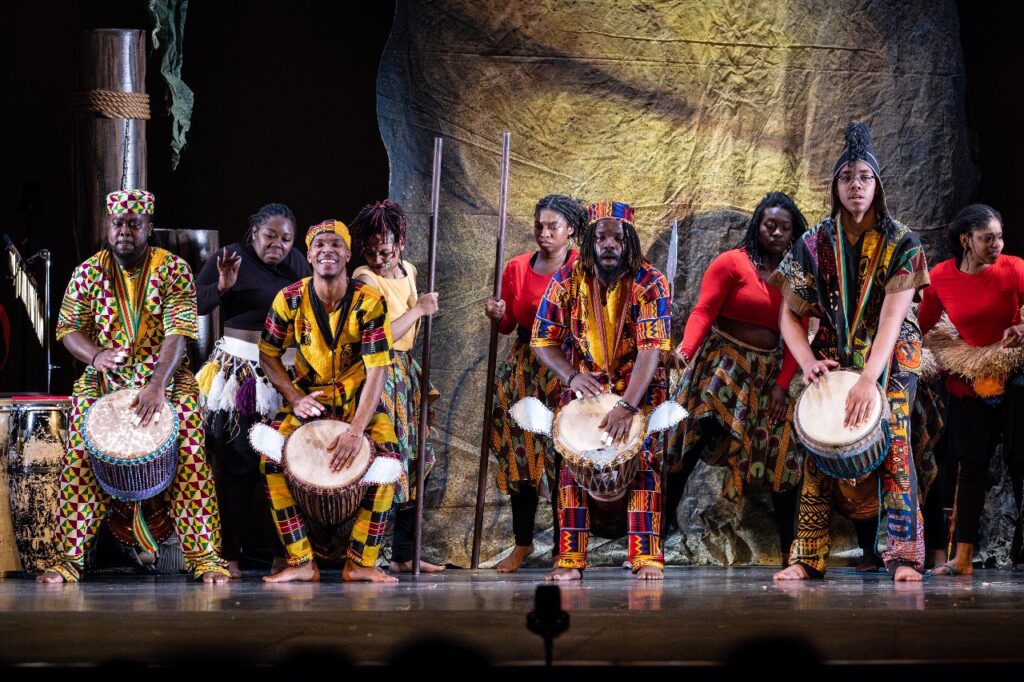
<point x="328" y="497"/>
<point x="604" y="470"/>
<point x="131" y="462"/>
<point x="845" y="452"/>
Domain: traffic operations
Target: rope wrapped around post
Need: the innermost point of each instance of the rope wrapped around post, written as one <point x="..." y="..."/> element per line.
<point x="112" y="104"/>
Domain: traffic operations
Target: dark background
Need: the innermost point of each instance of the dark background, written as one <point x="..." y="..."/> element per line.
<point x="286" y="111"/>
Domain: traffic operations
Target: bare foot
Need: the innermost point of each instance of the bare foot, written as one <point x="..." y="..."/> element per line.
<point x="278" y="564"/>
<point x="354" y="573"/>
<point x="650" y="573"/>
<point x="214" y="578"/>
<point x="513" y="561"/>
<point x="936" y="557"/>
<point x="563" y="574"/>
<point x="627" y="564"/>
<point x="406" y="567"/>
<point x="906" y="574"/>
<point x="792" y="572"/>
<point x="234" y="570"/>
<point x="960" y="564"/>
<point x="304" y="573"/>
<point x="50" y="578"/>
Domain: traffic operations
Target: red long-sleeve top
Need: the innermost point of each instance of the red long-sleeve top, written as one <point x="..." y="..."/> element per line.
<point x="980" y="306"/>
<point x="522" y="289"/>
<point x="732" y="288"/>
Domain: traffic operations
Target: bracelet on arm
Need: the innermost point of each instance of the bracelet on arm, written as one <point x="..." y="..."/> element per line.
<point x="568" y="382"/>
<point x="92" y="363"/>
<point x="626" y="405"/>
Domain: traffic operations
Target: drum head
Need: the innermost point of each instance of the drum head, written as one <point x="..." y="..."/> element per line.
<point x="821" y="409"/>
<point x="578" y="433"/>
<point x="306" y="459"/>
<point x="109" y="427"/>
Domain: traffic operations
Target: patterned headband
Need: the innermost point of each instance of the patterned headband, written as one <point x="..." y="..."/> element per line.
<point x="336" y="226"/>
<point x="126" y="201"/>
<point x="610" y="209"/>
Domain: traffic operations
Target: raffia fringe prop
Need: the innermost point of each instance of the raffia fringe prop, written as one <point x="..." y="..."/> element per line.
<point x="987" y="368"/>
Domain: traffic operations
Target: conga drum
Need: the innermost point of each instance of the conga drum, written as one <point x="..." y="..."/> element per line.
<point x="34" y="461"/>
<point x="10" y="563"/>
<point x="328" y="497"/>
<point x="604" y="470"/>
<point x="841" y="451"/>
<point x="131" y="462"/>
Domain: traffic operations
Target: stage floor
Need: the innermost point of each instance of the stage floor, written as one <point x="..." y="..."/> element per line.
<point x="697" y="616"/>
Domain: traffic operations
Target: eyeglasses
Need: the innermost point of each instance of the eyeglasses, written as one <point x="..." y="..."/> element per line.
<point x="863" y="178"/>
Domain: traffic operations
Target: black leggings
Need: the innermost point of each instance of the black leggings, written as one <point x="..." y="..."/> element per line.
<point x="524" y="511"/>
<point x="975" y="428"/>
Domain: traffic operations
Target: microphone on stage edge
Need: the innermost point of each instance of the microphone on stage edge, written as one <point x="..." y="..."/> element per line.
<point x="547" y="618"/>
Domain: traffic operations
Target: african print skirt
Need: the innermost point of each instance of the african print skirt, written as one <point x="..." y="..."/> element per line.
<point x="730" y="382"/>
<point x="523" y="458"/>
<point x="402" y="399"/>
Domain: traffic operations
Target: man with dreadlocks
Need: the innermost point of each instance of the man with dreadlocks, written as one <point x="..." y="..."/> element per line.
<point x="736" y="384"/>
<point x="601" y="326"/>
<point x="126" y="314"/>
<point x="242" y="280"/>
<point x="343" y="335"/>
<point x="526" y="461"/>
<point x="859" y="271"/>
<point x="378" y="238"/>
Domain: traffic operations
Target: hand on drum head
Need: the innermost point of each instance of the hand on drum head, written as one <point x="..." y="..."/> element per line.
<point x="343" y="449"/>
<point x="587" y="385"/>
<point x="817" y="370"/>
<point x="307" y="407"/>
<point x="859" y="401"/>
<point x="147" y="404"/>
<point x="616" y="423"/>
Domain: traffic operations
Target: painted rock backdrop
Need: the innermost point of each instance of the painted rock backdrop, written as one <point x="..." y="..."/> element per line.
<point x="688" y="110"/>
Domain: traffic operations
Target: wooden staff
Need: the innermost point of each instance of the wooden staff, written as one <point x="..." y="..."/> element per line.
<point x="421" y="445"/>
<point x="672" y="265"/>
<point x="492" y="351"/>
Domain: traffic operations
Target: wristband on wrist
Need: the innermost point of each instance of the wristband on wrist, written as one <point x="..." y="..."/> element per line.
<point x="92" y="362"/>
<point x="568" y="382"/>
<point x="625" y="404"/>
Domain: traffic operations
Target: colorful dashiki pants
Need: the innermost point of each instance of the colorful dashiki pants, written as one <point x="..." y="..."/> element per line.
<point x="643" y="509"/>
<point x="83" y="503"/>
<point x="371" y="520"/>
<point x="899" y="492"/>
<point x="730" y="382"/>
<point x="402" y="399"/>
<point x="523" y="458"/>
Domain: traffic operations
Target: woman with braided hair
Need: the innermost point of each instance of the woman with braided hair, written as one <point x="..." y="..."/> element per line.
<point x="242" y="280"/>
<point x="736" y="384"/>
<point x="379" y="234"/>
<point x="525" y="461"/>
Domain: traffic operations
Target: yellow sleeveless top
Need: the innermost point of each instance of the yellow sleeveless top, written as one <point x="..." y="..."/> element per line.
<point x="400" y="295"/>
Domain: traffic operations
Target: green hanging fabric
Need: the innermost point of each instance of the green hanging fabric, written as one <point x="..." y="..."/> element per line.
<point x="168" y="18"/>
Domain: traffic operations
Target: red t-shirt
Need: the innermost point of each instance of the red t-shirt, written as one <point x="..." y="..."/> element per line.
<point x="732" y="288"/>
<point x="980" y="306"/>
<point x="522" y="289"/>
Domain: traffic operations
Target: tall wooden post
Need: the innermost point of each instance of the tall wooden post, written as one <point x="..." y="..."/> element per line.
<point x="110" y="127"/>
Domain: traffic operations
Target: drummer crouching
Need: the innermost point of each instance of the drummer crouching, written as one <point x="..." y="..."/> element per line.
<point x="127" y="313"/>
<point x="858" y="271"/>
<point x="610" y="311"/>
<point x="344" y="349"/>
